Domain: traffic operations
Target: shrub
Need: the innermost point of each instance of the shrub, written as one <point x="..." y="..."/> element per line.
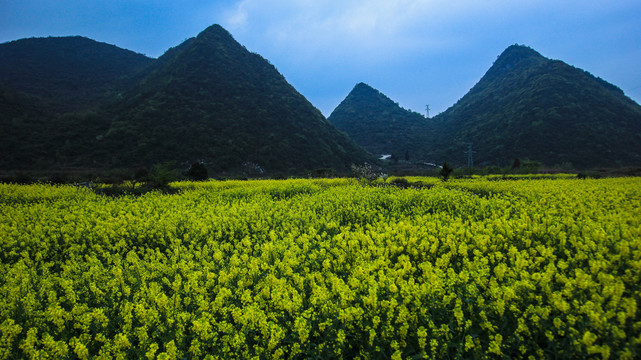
<point x="161" y="175"/>
<point x="197" y="172"/>
<point x="445" y="172"/>
<point x="365" y="172"/>
<point x="400" y="182"/>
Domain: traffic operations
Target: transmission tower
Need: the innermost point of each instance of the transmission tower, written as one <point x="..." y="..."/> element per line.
<point x="470" y="155"/>
<point x="427" y="111"/>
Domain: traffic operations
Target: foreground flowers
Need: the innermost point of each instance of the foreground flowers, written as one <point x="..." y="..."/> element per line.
<point x="328" y="268"/>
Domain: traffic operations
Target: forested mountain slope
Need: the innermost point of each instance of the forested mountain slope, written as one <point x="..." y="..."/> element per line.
<point x="528" y="106"/>
<point x="208" y="99"/>
<point x="380" y="125"/>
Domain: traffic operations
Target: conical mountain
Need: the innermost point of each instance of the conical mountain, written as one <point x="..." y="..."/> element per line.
<point x="50" y="93"/>
<point x="380" y="125"/>
<point x="210" y="99"/>
<point x="529" y="107"/>
<point x="71" y="71"/>
<point x="77" y="103"/>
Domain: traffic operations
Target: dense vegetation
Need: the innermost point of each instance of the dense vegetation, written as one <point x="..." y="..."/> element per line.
<point x="300" y="269"/>
<point x="74" y="103"/>
<point x="207" y="100"/>
<point x="73" y="72"/>
<point x="525" y="107"/>
<point x="50" y="91"/>
<point x="380" y="125"/>
<point x="214" y="92"/>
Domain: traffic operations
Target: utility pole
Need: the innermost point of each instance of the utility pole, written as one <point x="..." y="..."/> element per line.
<point x="470" y="155"/>
<point x="427" y="110"/>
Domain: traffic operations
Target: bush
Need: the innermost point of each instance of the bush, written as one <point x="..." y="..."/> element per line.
<point x="365" y="172"/>
<point x="161" y="175"/>
<point x="445" y="172"/>
<point x="197" y="172"/>
<point x="141" y="175"/>
<point x="400" y="182"/>
<point x="516" y="164"/>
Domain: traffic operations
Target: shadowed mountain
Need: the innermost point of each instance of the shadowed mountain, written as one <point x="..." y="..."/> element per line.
<point x="528" y="106"/>
<point x="23" y="120"/>
<point x="208" y="99"/>
<point x="380" y="125"/>
<point x="211" y="99"/>
<point x="71" y="71"/>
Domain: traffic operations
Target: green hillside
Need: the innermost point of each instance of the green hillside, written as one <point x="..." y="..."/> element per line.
<point x="207" y="99"/>
<point x="380" y="125"/>
<point x="23" y="120"/>
<point x="213" y="100"/>
<point x="74" y="71"/>
<point x="528" y="106"/>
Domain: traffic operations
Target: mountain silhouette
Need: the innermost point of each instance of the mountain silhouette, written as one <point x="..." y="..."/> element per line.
<point x="72" y="71"/>
<point x="526" y="106"/>
<point x="380" y="125"/>
<point x="530" y="107"/>
<point x="208" y="99"/>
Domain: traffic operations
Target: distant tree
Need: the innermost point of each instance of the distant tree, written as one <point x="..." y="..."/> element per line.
<point x="446" y="170"/>
<point x="197" y="172"/>
<point x="251" y="169"/>
<point x="407" y="155"/>
<point x="516" y="164"/>
<point x="530" y="167"/>
<point x="365" y="172"/>
<point x="141" y="175"/>
<point x="162" y="174"/>
<point x="321" y="173"/>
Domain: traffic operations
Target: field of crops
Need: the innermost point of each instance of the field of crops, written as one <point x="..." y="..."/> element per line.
<point x="321" y="269"/>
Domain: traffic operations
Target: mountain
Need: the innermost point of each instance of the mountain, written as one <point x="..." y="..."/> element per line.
<point x="207" y="99"/>
<point x="529" y="107"/>
<point x="526" y="106"/>
<point x="72" y="71"/>
<point x="212" y="99"/>
<point x="23" y="119"/>
<point x="380" y="125"/>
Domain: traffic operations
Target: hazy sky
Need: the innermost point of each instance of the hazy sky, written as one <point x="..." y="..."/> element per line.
<point x="416" y="52"/>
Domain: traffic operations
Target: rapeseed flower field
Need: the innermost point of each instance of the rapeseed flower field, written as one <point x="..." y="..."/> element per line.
<point x="323" y="269"/>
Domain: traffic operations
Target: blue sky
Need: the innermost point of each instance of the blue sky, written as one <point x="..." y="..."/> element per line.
<point x="416" y="52"/>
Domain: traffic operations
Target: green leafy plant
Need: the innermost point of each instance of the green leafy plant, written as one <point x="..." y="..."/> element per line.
<point x="446" y="171"/>
<point x="365" y="172"/>
<point x="197" y="172"/>
<point x="162" y="174"/>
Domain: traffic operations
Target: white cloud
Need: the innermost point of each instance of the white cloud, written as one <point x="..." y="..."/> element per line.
<point x="377" y="30"/>
<point x="395" y="43"/>
<point x="318" y="27"/>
